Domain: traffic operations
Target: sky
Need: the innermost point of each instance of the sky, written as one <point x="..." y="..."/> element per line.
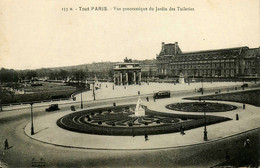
<point x="38" y="34"/>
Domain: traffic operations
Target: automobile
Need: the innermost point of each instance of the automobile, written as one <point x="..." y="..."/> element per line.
<point x="200" y="89"/>
<point x="162" y="94"/>
<point x="244" y="85"/>
<point x="52" y="107"/>
<point x="72" y="108"/>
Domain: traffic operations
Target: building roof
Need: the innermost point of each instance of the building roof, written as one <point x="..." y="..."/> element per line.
<point x="251" y="53"/>
<point x="170" y="49"/>
<point x="216" y="50"/>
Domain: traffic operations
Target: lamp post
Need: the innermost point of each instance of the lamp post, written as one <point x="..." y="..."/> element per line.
<point x="205" y="128"/>
<point x="202" y="86"/>
<point x="32" y="129"/>
<point x="1" y="109"/>
<point x="94" y="91"/>
<point x="243" y="83"/>
<point x="81" y="102"/>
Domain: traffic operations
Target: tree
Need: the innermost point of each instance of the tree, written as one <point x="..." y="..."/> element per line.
<point x="8" y="75"/>
<point x="53" y="75"/>
<point x="14" y="86"/>
<point x="31" y="74"/>
<point x="9" y="78"/>
<point x="110" y="73"/>
<point x="79" y="75"/>
<point x="63" y="74"/>
<point x="86" y="70"/>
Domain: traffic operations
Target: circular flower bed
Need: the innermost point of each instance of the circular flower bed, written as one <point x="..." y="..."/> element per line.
<point x="201" y="107"/>
<point x="120" y="120"/>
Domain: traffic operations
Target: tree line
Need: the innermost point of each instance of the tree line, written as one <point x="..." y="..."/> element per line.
<point x="11" y="75"/>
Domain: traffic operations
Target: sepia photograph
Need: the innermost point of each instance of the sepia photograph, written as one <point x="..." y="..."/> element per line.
<point x="118" y="83"/>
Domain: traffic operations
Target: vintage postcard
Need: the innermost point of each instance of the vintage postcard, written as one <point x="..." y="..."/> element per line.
<point x="141" y="83"/>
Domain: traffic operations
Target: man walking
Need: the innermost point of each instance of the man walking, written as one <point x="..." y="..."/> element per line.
<point x="6" y="144"/>
<point x="244" y="106"/>
<point x="146" y="136"/>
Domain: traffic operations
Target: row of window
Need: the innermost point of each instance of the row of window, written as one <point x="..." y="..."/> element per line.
<point x="194" y="71"/>
<point x="202" y="59"/>
<point x="225" y="54"/>
<point x="205" y="72"/>
<point x="250" y="63"/>
<point x="215" y="65"/>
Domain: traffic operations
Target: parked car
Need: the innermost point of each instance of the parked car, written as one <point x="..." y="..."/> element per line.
<point x="72" y="108"/>
<point x="53" y="107"/>
<point x="162" y="94"/>
<point x="244" y="85"/>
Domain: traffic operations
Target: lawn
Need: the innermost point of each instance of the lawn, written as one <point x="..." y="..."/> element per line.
<point x="46" y="91"/>
<point x="250" y="97"/>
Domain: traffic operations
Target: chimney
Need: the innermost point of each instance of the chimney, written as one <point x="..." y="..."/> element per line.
<point x="175" y="49"/>
<point x="163" y="46"/>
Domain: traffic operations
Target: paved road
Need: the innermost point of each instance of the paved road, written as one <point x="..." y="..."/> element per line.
<point x="24" y="149"/>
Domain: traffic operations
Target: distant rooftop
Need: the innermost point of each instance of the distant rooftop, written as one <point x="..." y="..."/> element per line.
<point x="215" y="50"/>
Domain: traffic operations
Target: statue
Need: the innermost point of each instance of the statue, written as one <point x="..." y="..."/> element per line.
<point x="181" y="78"/>
<point x="139" y="111"/>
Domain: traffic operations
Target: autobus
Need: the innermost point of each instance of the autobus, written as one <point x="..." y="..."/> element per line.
<point x="162" y="94"/>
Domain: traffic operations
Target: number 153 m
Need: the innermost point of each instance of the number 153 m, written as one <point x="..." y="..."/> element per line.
<point x="65" y="9"/>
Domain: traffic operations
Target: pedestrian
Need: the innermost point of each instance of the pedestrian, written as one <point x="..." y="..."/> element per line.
<point x="154" y="98"/>
<point x="6" y="144"/>
<point x="138" y="92"/>
<point x="182" y="130"/>
<point x="237" y="117"/>
<point x="244" y="106"/>
<point x="147" y="99"/>
<point x="247" y="143"/>
<point x="146" y="136"/>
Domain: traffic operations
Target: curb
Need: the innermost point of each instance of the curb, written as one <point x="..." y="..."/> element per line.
<point x="150" y="149"/>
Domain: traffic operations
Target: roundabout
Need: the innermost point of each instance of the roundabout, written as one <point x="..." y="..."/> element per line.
<point x="73" y="130"/>
<point x="121" y="120"/>
<point x="102" y="149"/>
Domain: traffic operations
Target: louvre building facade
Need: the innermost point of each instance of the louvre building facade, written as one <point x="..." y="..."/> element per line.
<point x="231" y="62"/>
